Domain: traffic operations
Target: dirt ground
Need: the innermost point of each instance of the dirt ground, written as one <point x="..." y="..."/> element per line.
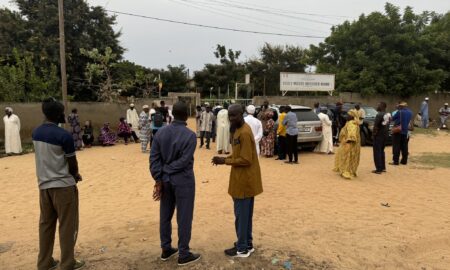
<point x="307" y="217"/>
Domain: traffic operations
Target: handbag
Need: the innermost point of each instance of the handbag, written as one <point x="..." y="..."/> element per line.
<point x="398" y="128"/>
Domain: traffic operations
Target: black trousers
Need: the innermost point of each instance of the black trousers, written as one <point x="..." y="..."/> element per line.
<point x="182" y="198"/>
<point x="204" y="134"/>
<point x="281" y="147"/>
<point x="379" y="157"/>
<point x="243" y="213"/>
<point x="292" y="148"/>
<point x="400" y="145"/>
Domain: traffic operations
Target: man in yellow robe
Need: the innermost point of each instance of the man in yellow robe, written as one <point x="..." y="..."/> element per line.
<point x="347" y="157"/>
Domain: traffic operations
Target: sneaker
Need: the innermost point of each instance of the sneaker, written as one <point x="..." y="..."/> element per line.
<point x="167" y="254"/>
<point x="54" y="265"/>
<point x="376" y="172"/>
<point x="78" y="264"/>
<point x="393" y="163"/>
<point x="191" y="258"/>
<point x="234" y="253"/>
<point x="250" y="248"/>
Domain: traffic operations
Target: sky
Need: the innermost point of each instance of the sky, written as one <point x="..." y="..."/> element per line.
<point x="157" y="44"/>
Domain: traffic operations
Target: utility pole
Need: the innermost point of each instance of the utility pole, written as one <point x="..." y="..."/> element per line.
<point x="62" y="54"/>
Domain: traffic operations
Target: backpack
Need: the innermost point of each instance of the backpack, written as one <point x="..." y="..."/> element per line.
<point x="158" y="119"/>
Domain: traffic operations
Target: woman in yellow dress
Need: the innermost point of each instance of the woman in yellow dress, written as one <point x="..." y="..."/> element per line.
<point x="347" y="156"/>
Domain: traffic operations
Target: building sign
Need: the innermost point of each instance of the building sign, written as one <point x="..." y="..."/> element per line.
<point x="306" y="82"/>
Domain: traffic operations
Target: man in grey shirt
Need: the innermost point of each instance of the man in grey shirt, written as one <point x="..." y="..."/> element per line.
<point x="57" y="173"/>
<point x="290" y="121"/>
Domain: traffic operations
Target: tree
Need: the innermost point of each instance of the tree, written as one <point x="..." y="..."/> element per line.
<point x="379" y="53"/>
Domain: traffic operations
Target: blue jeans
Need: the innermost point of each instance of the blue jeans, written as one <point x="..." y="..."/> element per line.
<point x="243" y="212"/>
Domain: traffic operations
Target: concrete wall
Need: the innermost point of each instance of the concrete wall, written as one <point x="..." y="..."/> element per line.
<point x="436" y="101"/>
<point x="31" y="116"/>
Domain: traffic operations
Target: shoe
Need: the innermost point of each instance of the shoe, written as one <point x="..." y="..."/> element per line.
<point x="234" y="253"/>
<point x="201" y="146"/>
<point x="219" y="152"/>
<point x="403" y="163"/>
<point x="167" y="254"/>
<point x="288" y="162"/>
<point x="227" y="153"/>
<point x="78" y="264"/>
<point x="250" y="248"/>
<point x="376" y="172"/>
<point x="296" y="162"/>
<point x="207" y="148"/>
<point x="54" y="265"/>
<point x="384" y="170"/>
<point x="191" y="258"/>
<point x="393" y="163"/>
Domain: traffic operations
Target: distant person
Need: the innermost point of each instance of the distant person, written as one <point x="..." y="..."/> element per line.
<point x="206" y="120"/>
<point x="326" y="144"/>
<point x="157" y="121"/>
<point x="418" y="120"/>
<point x="400" y="140"/>
<point x="13" y="144"/>
<point x="338" y="121"/>
<point x="107" y="136"/>
<point x="198" y="114"/>
<point x="380" y="134"/>
<point x="361" y="113"/>
<point x="444" y="112"/>
<point x="268" y="139"/>
<point x="125" y="131"/>
<point x="88" y="134"/>
<point x="281" y="132"/>
<point x="145" y="130"/>
<point x="133" y="118"/>
<point x="317" y="108"/>
<point x="214" y="131"/>
<point x="245" y="181"/>
<point x="424" y="113"/>
<point x="165" y="112"/>
<point x="57" y="175"/>
<point x="347" y="158"/>
<point x="172" y="167"/>
<point x="290" y="121"/>
<point x="223" y="131"/>
<point x="262" y="112"/>
<point x="255" y="126"/>
<point x="75" y="128"/>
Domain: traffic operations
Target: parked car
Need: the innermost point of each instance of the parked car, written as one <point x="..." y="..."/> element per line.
<point x="368" y="122"/>
<point x="309" y="126"/>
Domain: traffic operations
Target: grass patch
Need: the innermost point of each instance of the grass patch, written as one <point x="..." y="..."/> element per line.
<point x="433" y="160"/>
<point x="26" y="148"/>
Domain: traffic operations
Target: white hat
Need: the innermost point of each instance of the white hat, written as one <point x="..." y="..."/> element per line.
<point x="206" y="103"/>
<point x="445" y="104"/>
<point x="9" y="109"/>
<point x="251" y="109"/>
<point x="145" y="107"/>
<point x="131" y="105"/>
<point x="426" y="98"/>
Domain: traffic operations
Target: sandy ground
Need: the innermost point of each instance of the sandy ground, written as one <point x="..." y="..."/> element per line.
<point x="307" y="214"/>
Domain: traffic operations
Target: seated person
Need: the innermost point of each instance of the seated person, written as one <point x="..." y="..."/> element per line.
<point x="125" y="131"/>
<point x="88" y="134"/>
<point x="418" y="120"/>
<point x="107" y="137"/>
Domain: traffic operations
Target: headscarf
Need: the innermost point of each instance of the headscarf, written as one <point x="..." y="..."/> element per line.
<point x="354" y="113"/>
<point x="9" y="109"/>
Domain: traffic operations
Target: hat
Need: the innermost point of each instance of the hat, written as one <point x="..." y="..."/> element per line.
<point x="403" y="104"/>
<point x="131" y="105"/>
<point x="145" y="107"/>
<point x="251" y="109"/>
<point x="206" y="103"/>
<point x="426" y="98"/>
<point x="9" y="109"/>
<point x="445" y="104"/>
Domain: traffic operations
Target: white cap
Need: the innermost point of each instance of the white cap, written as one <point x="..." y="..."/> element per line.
<point x="145" y="107"/>
<point x="206" y="103"/>
<point x="445" y="104"/>
<point x="251" y="109"/>
<point x="426" y="98"/>
<point x="131" y="105"/>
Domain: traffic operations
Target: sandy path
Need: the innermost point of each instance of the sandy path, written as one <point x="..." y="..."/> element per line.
<point x="307" y="214"/>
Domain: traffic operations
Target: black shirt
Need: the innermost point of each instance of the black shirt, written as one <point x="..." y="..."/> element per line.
<point x="380" y="130"/>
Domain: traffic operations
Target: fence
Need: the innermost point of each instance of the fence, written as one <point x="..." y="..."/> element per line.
<point x="213" y="102"/>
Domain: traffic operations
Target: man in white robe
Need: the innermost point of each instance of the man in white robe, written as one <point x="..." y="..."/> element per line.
<point x="133" y="118"/>
<point x="13" y="144"/>
<point x="326" y="145"/>
<point x="255" y="125"/>
<point x="223" y="131"/>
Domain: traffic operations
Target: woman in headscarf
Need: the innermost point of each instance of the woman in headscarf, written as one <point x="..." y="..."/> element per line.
<point x="75" y="128"/>
<point x="347" y="157"/>
<point x="268" y="139"/>
<point x="107" y="137"/>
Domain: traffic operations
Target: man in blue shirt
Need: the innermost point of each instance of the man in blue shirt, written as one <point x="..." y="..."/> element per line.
<point x="400" y="140"/>
<point x="290" y="121"/>
<point x="171" y="165"/>
<point x="57" y="173"/>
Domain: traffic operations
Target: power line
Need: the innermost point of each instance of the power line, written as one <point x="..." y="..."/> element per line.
<point x="212" y="27"/>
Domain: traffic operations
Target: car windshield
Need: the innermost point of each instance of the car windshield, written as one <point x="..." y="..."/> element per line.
<point x="306" y="115"/>
<point x="370" y="112"/>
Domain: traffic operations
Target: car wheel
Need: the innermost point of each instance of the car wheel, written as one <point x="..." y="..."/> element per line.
<point x="363" y="139"/>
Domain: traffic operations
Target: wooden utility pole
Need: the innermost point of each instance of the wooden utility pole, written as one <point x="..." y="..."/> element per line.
<point x="62" y="54"/>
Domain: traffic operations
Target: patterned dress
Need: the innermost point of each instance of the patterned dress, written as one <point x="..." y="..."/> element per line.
<point x="107" y="137"/>
<point x="268" y="139"/>
<point x="146" y="130"/>
<point x="75" y="129"/>
<point x="347" y="156"/>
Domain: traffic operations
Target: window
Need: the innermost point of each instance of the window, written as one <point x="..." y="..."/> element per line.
<point x="306" y="115"/>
